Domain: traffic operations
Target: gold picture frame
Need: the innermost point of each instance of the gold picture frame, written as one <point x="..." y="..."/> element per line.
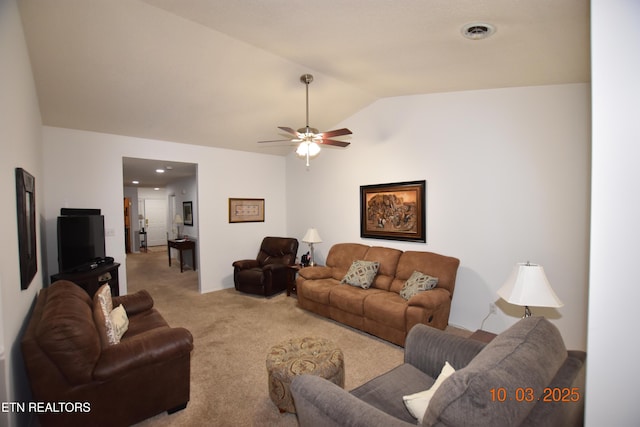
<point x="246" y="210"/>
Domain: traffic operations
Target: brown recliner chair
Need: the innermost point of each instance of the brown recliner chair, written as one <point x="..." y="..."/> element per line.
<point x="70" y="362"/>
<point x="269" y="273"/>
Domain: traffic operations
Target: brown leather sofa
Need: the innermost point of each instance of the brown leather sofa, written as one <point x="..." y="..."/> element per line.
<point x="379" y="310"/>
<point x="270" y="272"/>
<point x="69" y="362"/>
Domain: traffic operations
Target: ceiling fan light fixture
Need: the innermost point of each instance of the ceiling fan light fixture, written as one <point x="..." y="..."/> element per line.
<point x="309" y="148"/>
<point x="309" y="138"/>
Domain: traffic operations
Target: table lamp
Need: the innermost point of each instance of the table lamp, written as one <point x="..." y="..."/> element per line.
<point x="312" y="237"/>
<point x="178" y="220"/>
<point x="527" y="285"/>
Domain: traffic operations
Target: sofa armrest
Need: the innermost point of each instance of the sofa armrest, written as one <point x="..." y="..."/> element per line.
<point x="244" y="264"/>
<point x="321" y="403"/>
<point x="312" y="273"/>
<point x="431" y="299"/>
<point x="149" y="347"/>
<point x="429" y="348"/>
<point x="134" y="303"/>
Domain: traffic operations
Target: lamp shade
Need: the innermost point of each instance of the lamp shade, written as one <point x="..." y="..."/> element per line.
<point x="178" y="219"/>
<point x="528" y="286"/>
<point x="312" y="236"/>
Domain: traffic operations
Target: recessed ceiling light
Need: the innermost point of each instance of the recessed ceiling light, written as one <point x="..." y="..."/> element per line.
<point x="157" y="189"/>
<point x="478" y="30"/>
<point x="135" y="182"/>
<point x="160" y="170"/>
<point x="169" y="168"/>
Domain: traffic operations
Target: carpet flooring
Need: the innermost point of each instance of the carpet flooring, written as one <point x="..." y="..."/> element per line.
<point x="232" y="334"/>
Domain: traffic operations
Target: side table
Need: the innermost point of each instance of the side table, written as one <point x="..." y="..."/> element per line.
<point x="182" y="245"/>
<point x="291" y="279"/>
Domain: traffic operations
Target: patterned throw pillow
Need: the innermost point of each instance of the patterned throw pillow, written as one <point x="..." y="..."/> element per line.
<point x="119" y="320"/>
<point x="361" y="274"/>
<point x="104" y="297"/>
<point x="418" y="282"/>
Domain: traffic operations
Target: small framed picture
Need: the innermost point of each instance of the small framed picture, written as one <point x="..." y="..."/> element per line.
<point x="246" y="210"/>
<point x="187" y="213"/>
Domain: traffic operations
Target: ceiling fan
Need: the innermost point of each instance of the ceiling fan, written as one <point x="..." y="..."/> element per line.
<point x="309" y="138"/>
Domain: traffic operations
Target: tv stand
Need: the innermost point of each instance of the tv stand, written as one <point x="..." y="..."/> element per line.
<point x="91" y="280"/>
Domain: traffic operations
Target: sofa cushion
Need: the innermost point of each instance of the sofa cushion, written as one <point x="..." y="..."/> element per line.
<point x="418" y="282"/>
<point x="388" y="259"/>
<point x="528" y="354"/>
<point x="443" y="267"/>
<point x="351" y="298"/>
<point x="361" y="273"/>
<point x="317" y="290"/>
<point x="387" y="308"/>
<point x="342" y="255"/>
<point x="385" y="392"/>
<point x="66" y="332"/>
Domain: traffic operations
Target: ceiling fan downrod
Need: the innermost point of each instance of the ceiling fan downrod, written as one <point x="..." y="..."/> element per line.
<point x="306" y="79"/>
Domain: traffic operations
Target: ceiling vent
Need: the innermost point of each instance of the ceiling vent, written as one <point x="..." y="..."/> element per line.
<point x="478" y="30"/>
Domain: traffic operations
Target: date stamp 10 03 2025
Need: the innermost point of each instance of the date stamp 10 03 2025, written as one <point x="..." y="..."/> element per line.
<point x="528" y="394"/>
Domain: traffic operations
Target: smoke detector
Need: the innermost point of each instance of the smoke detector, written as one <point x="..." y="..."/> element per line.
<point x="478" y="30"/>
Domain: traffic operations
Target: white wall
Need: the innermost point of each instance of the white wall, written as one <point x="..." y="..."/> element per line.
<point x="507" y="174"/>
<point x="613" y="352"/>
<point x="20" y="145"/>
<point x="84" y="169"/>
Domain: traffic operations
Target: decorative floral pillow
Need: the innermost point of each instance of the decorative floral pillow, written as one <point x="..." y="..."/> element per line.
<point x="106" y="304"/>
<point x="361" y="274"/>
<point x="418" y="282"/>
<point x="120" y="321"/>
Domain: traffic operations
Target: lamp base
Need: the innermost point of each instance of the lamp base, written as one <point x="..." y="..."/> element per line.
<point x="312" y="261"/>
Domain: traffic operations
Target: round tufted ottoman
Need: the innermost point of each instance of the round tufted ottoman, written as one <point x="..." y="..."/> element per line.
<point x="309" y="355"/>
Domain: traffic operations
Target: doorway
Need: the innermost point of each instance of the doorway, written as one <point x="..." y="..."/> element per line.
<point x="156" y="197"/>
<point x="155" y="214"/>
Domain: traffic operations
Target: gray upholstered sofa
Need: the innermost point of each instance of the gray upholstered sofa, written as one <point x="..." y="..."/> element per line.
<point x="524" y="377"/>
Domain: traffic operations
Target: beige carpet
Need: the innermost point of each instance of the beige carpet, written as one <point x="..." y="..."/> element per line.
<point x="232" y="335"/>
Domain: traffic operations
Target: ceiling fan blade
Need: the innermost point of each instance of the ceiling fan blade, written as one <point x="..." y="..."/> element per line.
<point x="288" y="130"/>
<point x="337" y="132"/>
<point x="276" y="140"/>
<point x="334" y="142"/>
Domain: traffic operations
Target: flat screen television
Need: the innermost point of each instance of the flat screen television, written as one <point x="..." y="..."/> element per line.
<point x="80" y="241"/>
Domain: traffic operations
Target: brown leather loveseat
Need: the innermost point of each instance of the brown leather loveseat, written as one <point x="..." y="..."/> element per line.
<point x="380" y="309"/>
<point x="84" y="380"/>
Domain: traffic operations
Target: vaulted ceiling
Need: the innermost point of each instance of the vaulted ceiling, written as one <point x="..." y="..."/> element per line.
<point x="225" y="73"/>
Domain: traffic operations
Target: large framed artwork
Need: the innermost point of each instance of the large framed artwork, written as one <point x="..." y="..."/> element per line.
<point x="26" y="209"/>
<point x="395" y="211"/>
<point x="246" y="210"/>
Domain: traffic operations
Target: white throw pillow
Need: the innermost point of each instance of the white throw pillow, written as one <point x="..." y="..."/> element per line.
<point x="119" y="322"/>
<point x="417" y="403"/>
